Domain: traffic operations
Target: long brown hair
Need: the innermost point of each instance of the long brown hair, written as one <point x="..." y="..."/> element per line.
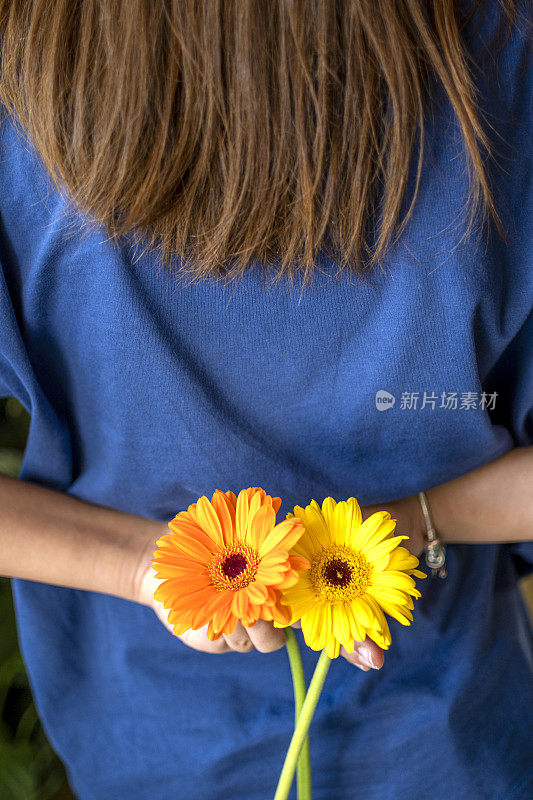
<point x="227" y="131"/>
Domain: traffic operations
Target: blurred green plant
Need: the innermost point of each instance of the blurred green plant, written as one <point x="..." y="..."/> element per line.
<point x="29" y="767"/>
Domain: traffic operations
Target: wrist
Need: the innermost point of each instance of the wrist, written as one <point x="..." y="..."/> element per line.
<point x="416" y="525"/>
<point x="434" y="546"/>
<point x="139" y="573"/>
<point x="437" y="511"/>
<point x="55" y="538"/>
<point x="409" y="521"/>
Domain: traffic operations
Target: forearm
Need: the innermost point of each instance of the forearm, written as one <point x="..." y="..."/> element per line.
<point x="51" y="537"/>
<point x="493" y="503"/>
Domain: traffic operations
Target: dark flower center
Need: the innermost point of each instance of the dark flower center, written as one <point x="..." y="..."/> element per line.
<point x="337" y="572"/>
<point x="233" y="565"/>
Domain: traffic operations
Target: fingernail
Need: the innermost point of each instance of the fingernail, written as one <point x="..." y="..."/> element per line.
<point x="366" y="657"/>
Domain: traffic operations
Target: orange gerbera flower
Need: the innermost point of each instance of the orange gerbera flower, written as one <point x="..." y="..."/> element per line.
<point x="225" y="560"/>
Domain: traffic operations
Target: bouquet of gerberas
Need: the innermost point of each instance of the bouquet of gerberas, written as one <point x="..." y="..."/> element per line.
<point x="227" y="560"/>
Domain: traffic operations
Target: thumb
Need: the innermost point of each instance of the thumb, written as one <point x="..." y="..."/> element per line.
<point x="367" y="652"/>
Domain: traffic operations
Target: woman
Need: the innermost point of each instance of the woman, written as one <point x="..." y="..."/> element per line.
<point x="340" y="198"/>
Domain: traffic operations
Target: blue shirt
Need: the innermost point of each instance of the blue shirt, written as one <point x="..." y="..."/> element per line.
<point x="147" y="393"/>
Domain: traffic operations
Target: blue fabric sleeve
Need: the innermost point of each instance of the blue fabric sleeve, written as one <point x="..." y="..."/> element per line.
<point x="523" y="552"/>
<point x="516" y="371"/>
<point x="15" y="369"/>
<point x="512" y="378"/>
<point x="507" y="93"/>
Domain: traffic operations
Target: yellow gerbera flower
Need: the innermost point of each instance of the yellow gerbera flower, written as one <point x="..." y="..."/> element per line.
<point x="358" y="571"/>
<point x="225" y="560"/>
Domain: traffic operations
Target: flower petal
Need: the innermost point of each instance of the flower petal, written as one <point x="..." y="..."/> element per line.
<point x="221" y="617"/>
<point x="257" y="593"/>
<point x="389" y="595"/>
<point x="241" y="515"/>
<point x="328" y="512"/>
<point x="299" y="563"/>
<point x="362" y="612"/>
<point x="302" y="592"/>
<point x="313" y="626"/>
<point x="211" y="634"/>
<point x="281" y="614"/>
<point x="165" y="570"/>
<point x="303" y="547"/>
<point x="232" y="500"/>
<point x="342" y="523"/>
<point x="341" y="627"/>
<point x="209" y="520"/>
<point x="276" y="504"/>
<point x="225" y="512"/>
<point x="378" y="613"/>
<point x="262" y="523"/>
<point x="317" y="534"/>
<point x="218" y="600"/>
<point x="240" y="603"/>
<point x="184" y="527"/>
<point x="255" y="503"/>
<point x="289" y="579"/>
<point x="402" y="614"/>
<point x="273" y="567"/>
<point x="381" y="637"/>
<point x="276" y="559"/>
<point x="188" y="603"/>
<point x="357" y="515"/>
<point x="333" y="647"/>
<point x="395" y="579"/>
<point x="402" y="559"/>
<point x="383" y="548"/>
<point x="370" y="528"/>
<point x="283" y="536"/>
<point x="194" y="550"/>
<point x="357" y="629"/>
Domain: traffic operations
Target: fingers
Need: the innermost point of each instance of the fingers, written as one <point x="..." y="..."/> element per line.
<point x="262" y="636"/>
<point x="265" y="637"/>
<point x="198" y="641"/>
<point x="239" y="639"/>
<point x="366" y="655"/>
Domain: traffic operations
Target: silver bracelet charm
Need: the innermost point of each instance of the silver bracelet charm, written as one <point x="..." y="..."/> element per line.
<point x="435" y="549"/>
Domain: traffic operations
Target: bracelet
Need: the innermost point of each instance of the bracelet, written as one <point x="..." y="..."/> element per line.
<point x="435" y="549"/>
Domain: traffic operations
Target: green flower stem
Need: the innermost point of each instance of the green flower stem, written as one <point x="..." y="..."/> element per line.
<point x="302" y="727"/>
<point x="298" y="681"/>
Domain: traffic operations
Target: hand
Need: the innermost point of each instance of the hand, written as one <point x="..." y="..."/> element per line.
<point x="263" y="636"/>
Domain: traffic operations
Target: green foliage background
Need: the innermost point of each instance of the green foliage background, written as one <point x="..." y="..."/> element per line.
<point x="29" y="768"/>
